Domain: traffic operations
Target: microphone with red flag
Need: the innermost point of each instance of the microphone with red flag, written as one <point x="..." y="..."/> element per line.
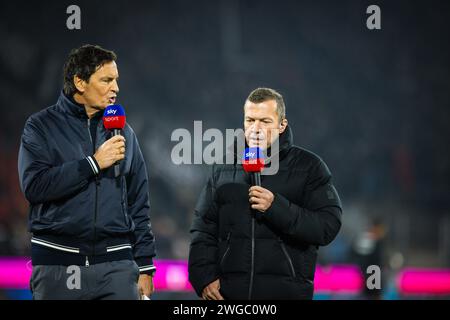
<point x="253" y="162"/>
<point x="114" y="119"/>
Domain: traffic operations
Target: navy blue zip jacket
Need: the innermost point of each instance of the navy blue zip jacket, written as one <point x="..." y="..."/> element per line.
<point x="79" y="214"/>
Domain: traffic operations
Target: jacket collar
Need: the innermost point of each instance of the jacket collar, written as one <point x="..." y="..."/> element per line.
<point x="70" y="106"/>
<point x="286" y="141"/>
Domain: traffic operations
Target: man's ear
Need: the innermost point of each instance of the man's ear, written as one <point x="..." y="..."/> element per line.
<point x="79" y="83"/>
<point x="283" y="125"/>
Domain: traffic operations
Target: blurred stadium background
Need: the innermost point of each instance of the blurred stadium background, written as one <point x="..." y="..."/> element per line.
<point x="375" y="105"/>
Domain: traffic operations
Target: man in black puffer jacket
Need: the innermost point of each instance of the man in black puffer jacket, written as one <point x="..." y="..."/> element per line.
<point x="261" y="242"/>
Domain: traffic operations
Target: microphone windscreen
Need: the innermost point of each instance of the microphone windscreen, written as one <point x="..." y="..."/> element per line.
<point x="253" y="160"/>
<point x="114" y="117"/>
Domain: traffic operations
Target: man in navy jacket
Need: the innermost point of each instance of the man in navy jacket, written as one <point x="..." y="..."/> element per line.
<point x="92" y="237"/>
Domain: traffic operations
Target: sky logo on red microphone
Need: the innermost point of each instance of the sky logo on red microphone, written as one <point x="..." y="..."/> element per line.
<point x="253" y="160"/>
<point x="114" y="117"/>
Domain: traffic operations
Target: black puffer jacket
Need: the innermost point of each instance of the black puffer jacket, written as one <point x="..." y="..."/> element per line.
<point x="270" y="255"/>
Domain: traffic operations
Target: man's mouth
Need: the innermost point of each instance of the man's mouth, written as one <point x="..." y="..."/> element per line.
<point x="256" y="142"/>
<point x="112" y="100"/>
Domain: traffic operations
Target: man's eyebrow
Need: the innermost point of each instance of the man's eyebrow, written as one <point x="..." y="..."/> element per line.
<point x="261" y="119"/>
<point x="109" y="78"/>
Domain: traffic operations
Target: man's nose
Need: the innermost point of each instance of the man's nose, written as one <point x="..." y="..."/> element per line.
<point x="115" y="87"/>
<point x="256" y="127"/>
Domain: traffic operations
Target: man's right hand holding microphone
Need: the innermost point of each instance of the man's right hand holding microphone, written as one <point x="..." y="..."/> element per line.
<point x="110" y="152"/>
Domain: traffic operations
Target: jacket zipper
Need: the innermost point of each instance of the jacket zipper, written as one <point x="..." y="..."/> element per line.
<point x="228" y="248"/>
<point x="253" y="260"/>
<point x="123" y="201"/>
<point x="283" y="247"/>
<point x="96" y="192"/>
<point x="95" y="214"/>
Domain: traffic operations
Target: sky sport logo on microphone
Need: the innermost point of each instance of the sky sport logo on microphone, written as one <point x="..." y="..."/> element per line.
<point x="114" y="117"/>
<point x="253" y="160"/>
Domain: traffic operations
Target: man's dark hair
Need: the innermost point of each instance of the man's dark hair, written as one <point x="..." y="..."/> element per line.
<point x="265" y="94"/>
<point x="83" y="62"/>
